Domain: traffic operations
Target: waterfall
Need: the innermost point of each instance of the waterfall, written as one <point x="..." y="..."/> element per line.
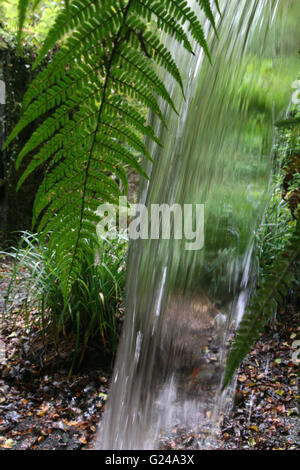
<point x="183" y="305"/>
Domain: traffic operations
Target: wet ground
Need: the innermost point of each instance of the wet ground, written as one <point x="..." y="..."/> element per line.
<point x="264" y="414"/>
<point x="41" y="408"/>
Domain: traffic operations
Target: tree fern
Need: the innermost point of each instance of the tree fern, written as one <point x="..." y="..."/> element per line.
<point x="91" y="131"/>
<point x="272" y="291"/>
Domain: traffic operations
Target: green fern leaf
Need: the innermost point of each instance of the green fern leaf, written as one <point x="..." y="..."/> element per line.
<point x="90" y="130"/>
<point x="262" y="307"/>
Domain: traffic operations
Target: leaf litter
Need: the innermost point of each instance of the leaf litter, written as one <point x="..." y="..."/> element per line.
<point x="41" y="408"/>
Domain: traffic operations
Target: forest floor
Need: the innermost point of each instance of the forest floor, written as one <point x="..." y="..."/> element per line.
<point x="41" y="408"/>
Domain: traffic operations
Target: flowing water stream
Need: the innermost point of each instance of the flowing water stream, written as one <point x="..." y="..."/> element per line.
<point x="183" y="305"/>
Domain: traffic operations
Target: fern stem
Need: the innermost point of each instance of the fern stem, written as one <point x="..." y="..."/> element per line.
<point x="117" y="42"/>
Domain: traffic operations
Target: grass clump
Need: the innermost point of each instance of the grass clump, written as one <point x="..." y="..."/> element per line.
<point x="93" y="307"/>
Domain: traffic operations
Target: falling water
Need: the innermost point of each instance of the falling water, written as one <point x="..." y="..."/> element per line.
<point x="181" y="305"/>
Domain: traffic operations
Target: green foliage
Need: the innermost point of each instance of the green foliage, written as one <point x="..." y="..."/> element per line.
<point x="91" y="132"/>
<point x="34" y="27"/>
<point x="272" y="291"/>
<point x="288" y="122"/>
<point x="22" y="8"/>
<point x="93" y="305"/>
<point x="269" y="94"/>
<point x="278" y="249"/>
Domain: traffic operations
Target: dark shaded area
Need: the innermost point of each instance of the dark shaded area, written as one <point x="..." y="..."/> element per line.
<point x="15" y="207"/>
<point x="41" y="407"/>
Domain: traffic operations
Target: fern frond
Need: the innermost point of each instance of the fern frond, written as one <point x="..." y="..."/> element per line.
<point x="218" y="6"/>
<point x="137" y="63"/>
<point x="76" y="15"/>
<point x="206" y="7"/>
<point x="165" y="21"/>
<point x="90" y="130"/>
<point x="91" y="35"/>
<point x="22" y="11"/>
<point x="271" y="292"/>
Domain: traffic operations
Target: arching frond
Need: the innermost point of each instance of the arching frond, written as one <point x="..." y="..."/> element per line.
<point x="90" y="130"/>
<point x="270" y="293"/>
